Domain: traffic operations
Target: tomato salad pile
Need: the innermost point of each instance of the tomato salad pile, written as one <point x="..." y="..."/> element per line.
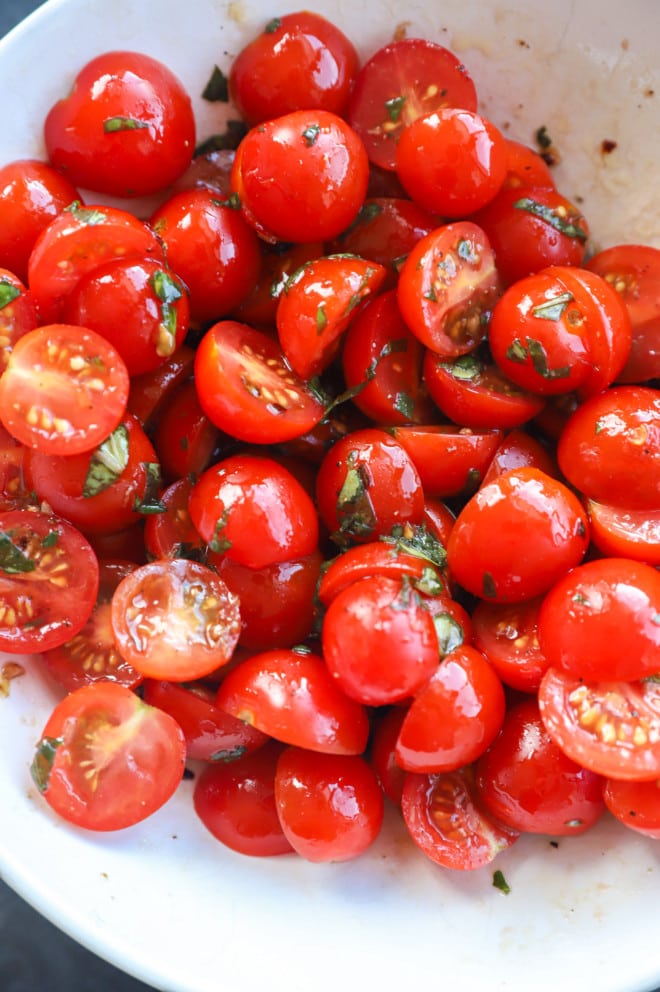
<point x="336" y="478"/>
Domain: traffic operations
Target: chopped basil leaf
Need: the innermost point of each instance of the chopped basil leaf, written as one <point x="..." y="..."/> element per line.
<point x="466" y="368"/>
<point x="354" y="509"/>
<point x="218" y="543"/>
<point x="12" y="559"/>
<point x="534" y="350"/>
<point x="107" y="463"/>
<point x="51" y="539"/>
<point x="543" y="139"/>
<point x="550" y="216"/>
<point x="310" y="134"/>
<point x="405" y="405"/>
<point x="429" y="582"/>
<point x="217" y="88"/>
<point x="488" y="586"/>
<point x="8" y="293"/>
<point x="228" y="140"/>
<point x="394" y="108"/>
<point x="449" y="631"/>
<point x="167" y="291"/>
<point x="42" y="764"/>
<point x="86" y="215"/>
<point x="431" y="294"/>
<point x="360" y="293"/>
<point x="229" y="754"/>
<point x="465" y="250"/>
<point x="112" y="124"/>
<point x="500" y="882"/>
<point x="553" y="309"/>
<point x="151" y="501"/>
<point x="273" y="25"/>
<point x="321" y="318"/>
<point x="517" y="352"/>
<point x="417" y="540"/>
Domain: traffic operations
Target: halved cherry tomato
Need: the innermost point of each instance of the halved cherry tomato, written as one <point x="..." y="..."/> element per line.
<point x="175" y="619"/>
<point x="106" y="760"/>
<point x="171" y="533"/>
<point x="184" y="438"/>
<point x="18" y="314"/>
<point x="628" y="533"/>
<point x="391" y="776"/>
<point x="450" y="460"/>
<point x="507" y="633"/>
<point x="395" y="559"/>
<point x="635" y="804"/>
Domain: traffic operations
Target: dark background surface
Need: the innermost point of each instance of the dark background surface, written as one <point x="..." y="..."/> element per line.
<point x="34" y="955"/>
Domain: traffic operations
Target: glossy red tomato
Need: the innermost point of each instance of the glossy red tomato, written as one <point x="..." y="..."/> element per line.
<point x="106" y="760"/>
<point x="517" y="536"/>
<point x="507" y="633"/>
<point x="528" y="783"/>
<point x="149" y="393"/>
<point x="525" y="167"/>
<point x="379" y="640"/>
<point x="454" y="717"/>
<point x="248" y="390"/>
<point x="299" y="61"/>
<point x="330" y="805"/>
<point x="610" y="448"/>
<point x="236" y="803"/>
<point x="394" y="559"/>
<point x="185" y="440"/>
<point x="448" y="285"/>
<point x="612" y="728"/>
<point x="366" y="485"/>
<point x="18" y="314"/>
<point x="291" y="696"/>
<point x="32" y="194"/>
<point x="635" y="804"/>
<point x="628" y="533"/>
<point x="170" y="533"/>
<point x="387" y="724"/>
<point x="126" y="128"/>
<point x="49" y="578"/>
<point x="447" y="822"/>
<point x="278" y="263"/>
<point x="601" y="622"/>
<point x="254" y="510"/>
<point x="174" y="619"/>
<point x="450" y="460"/>
<point x="301" y="177"/>
<point x="401" y="82"/>
<point x="452" y="161"/>
<point x="518" y="448"/>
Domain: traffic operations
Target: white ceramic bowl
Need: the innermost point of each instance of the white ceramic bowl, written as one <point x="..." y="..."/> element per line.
<point x="163" y="900"/>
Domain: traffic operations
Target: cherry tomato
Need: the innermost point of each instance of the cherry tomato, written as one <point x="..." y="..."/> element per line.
<point x="18" y="314"/>
<point x="635" y="804"/>
<point x="317" y="305"/>
<point x="447" y="286"/>
<point x="301" y="177"/>
<point x="211" y="734"/>
<point x="366" y="485"/>
<point x="516" y="450"/>
<point x="149" y="393"/>
<point x="517" y="536"/>
<point x="49" y="578"/>
<point x="628" y="533"/>
<point x="528" y="783"/>
<point x="278" y="263"/>
<point x="106" y="760"/>
<point x="184" y="438"/>
<point x="610" y="448"/>
<point x="77" y="241"/>
<point x="450" y="460"/>
<point x="454" y="717"/>
<point x="291" y="696"/>
<point x="507" y="633"/>
<point x="447" y="822"/>
<point x="612" y="728"/>
<point x="525" y="167"/>
<point x="170" y="533"/>
<point x="379" y="640"/>
<point x="394" y="559"/>
<point x="299" y="61"/>
<point x="236" y="803"/>
<point x="401" y="82"/>
<point x="174" y="619"/>
<point x="126" y="128"/>
<point x="330" y="805"/>
<point x="382" y="755"/>
<point x="451" y="162"/>
<point x="601" y="622"/>
<point x="248" y="390"/>
<point x="32" y="194"/>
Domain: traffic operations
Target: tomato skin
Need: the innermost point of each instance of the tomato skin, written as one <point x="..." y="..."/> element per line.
<point x="32" y="194"/>
<point x="185" y="439"/>
<point x="517" y="536"/>
<point x="171" y="534"/>
<point x="289" y="695"/>
<point x="447" y="283"/>
<point x="447" y="822"/>
<point x="525" y="167"/>
<point x="600" y="622"/>
<point x="518" y="448"/>
<point x="529" y="784"/>
<point x="611" y="728"/>
<point x="49" y="579"/>
<point x="210" y="248"/>
<point x="379" y="640"/>
<point x="366" y="485"/>
<point x="116" y="760"/>
<point x="507" y="634"/>
<point x="211" y="734"/>
<point x="330" y="806"/>
<point x="610" y="448"/>
<point x="627" y="533"/>
<point x="375" y="557"/>
<point x="248" y="390"/>
<point x="149" y="393"/>
<point x="635" y="804"/>
<point x="203" y="620"/>
<point x="18" y="314"/>
<point x="450" y="460"/>
<point x="451" y="162"/>
<point x="454" y="717"/>
<point x="299" y="60"/>
<point x="77" y="241"/>
<point x="301" y="177"/>
<point x="382" y="752"/>
<point x="278" y="263"/>
<point x="254" y="510"/>
<point x="399" y="83"/>
<point x="236" y="803"/>
<point x="126" y="128"/>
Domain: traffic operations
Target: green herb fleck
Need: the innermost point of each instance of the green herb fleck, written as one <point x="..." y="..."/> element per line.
<point x="150" y="502"/>
<point x="310" y="134"/>
<point x="405" y="405"/>
<point x="86" y="215"/>
<point x="167" y="291"/>
<point x="488" y="586"/>
<point x="500" y="882"/>
<point x="219" y="543"/>
<point x="465" y="249"/>
<point x="554" y="308"/>
<point x="217" y="88"/>
<point x="535" y="352"/>
<point x="321" y="318"/>
<point x="417" y="540"/>
<point x="8" y="293"/>
<point x="107" y="462"/>
<point x="466" y="368"/>
<point x="543" y="139"/>
<point x="12" y="559"/>
<point x="42" y="764"/>
<point x="273" y="25"/>
<point x="51" y="539"/>
<point x="112" y="124"/>
<point x="550" y="216"/>
<point x="394" y="107"/>
<point x="226" y="755"/>
<point x="450" y="633"/>
<point x="227" y="140"/>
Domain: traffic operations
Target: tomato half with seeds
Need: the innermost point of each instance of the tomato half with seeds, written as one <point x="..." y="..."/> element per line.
<point x="610" y="727"/>
<point x="91" y="655"/>
<point x="447" y="287"/>
<point x="49" y="578"/>
<point x="106" y="760"/>
<point x="291" y="696"/>
<point x="317" y="305"/>
<point x="401" y="82"/>
<point x="64" y="390"/>
<point x="248" y="390"/>
<point x="507" y="633"/>
<point x="447" y="822"/>
<point x="175" y="619"/>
